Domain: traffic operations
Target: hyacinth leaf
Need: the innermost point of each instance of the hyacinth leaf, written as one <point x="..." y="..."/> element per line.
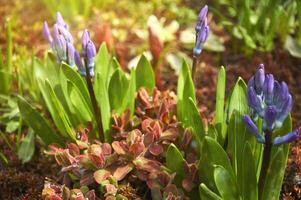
<point x="194" y="120"/>
<point x="206" y="193"/>
<point x="57" y="112"/>
<point x="113" y="66"/>
<point x="117" y="90"/>
<point x="212" y="154"/>
<point x="104" y="105"/>
<point x="220" y="105"/>
<point x="129" y="100"/>
<point x="144" y="74"/>
<point x="249" y="187"/>
<point x="78" y="102"/>
<point x="185" y="90"/>
<point x="102" y="61"/>
<point x="278" y="162"/>
<point x="78" y="81"/>
<point x="27" y="147"/>
<point x="175" y="162"/>
<point x="225" y="183"/>
<point x="212" y="132"/>
<point x="38" y="123"/>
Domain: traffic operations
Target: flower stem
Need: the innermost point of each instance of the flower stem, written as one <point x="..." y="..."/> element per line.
<point x="265" y="164"/>
<point x="194" y="65"/>
<point x="94" y="104"/>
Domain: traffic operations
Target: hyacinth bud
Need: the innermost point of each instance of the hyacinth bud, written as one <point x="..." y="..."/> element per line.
<point x="79" y="63"/>
<point x="268" y="89"/>
<point x="89" y="52"/>
<point x="285" y="110"/>
<point x="46" y="32"/>
<point x="85" y="41"/>
<point x="60" y="21"/>
<point x="253" y="129"/>
<point x="70" y="54"/>
<point x="60" y="48"/>
<point x="290" y="137"/>
<point x="255" y="102"/>
<point x="202" y="31"/>
<point x="269" y="119"/>
<point x="259" y="79"/>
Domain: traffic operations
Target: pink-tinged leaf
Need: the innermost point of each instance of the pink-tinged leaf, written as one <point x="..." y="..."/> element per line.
<point x="73" y="149"/>
<point x="155" y="149"/>
<point x="170" y="134"/>
<point x="64" y="158"/>
<point x="186" y="139"/>
<point x="145" y="125"/>
<point x="148" y="139"/>
<point x="76" y="194"/>
<point x="137" y="148"/>
<point x="118" y="148"/>
<point x="87" y="179"/>
<point x="101" y="175"/>
<point x="97" y="160"/>
<point x="81" y="144"/>
<point x="122" y="171"/>
<point x="157" y="130"/>
<point x="144" y="98"/>
<point x="187" y="184"/>
<point x="55" y="197"/>
<point x="91" y="195"/>
<point x="106" y="149"/>
<point x="110" y="189"/>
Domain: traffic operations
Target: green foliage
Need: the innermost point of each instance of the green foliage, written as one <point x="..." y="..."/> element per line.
<point x="175" y="162"/>
<point x="27" y="147"/>
<point x="144" y="74"/>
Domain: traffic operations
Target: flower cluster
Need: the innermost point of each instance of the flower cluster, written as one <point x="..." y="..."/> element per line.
<point x="271" y="101"/>
<point x="202" y="31"/>
<point x="61" y="42"/>
<point x="137" y="154"/>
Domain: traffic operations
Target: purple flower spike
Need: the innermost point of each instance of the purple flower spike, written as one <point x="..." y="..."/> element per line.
<point x="253" y="129"/>
<point x="60" y="21"/>
<point x="255" y="102"/>
<point x="286" y="109"/>
<point x="268" y="89"/>
<point x="88" y="51"/>
<point x="202" y="31"/>
<point x="85" y="41"/>
<point x="79" y="63"/>
<point x="70" y="54"/>
<point x="270" y="116"/>
<point x="46" y="32"/>
<point x="290" y="137"/>
<point x="259" y="79"/>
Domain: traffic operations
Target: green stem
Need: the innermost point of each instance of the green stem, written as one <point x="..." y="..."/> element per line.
<point x="265" y="163"/>
<point x="94" y="104"/>
<point x="194" y="65"/>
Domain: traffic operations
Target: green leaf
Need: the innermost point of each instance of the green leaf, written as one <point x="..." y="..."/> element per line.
<point x="207" y="194"/>
<point x="220" y="105"/>
<point x="38" y="123"/>
<point x="12" y="126"/>
<point x="249" y="183"/>
<point x="27" y="147"/>
<point x="102" y="63"/>
<point x="225" y="183"/>
<point x="293" y="46"/>
<point x="117" y="90"/>
<point x="129" y="100"/>
<point x="56" y="110"/>
<point x="175" y="162"/>
<point x="212" y="154"/>
<point x="79" y="104"/>
<point x="102" y="98"/>
<point x="144" y="74"/>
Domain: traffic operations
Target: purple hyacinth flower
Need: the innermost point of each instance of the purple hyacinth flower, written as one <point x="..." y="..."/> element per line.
<point x="60" y="21"/>
<point x="285" y="110"/>
<point x="269" y="119"/>
<point x="202" y="31"/>
<point x="70" y="54"/>
<point x="79" y="63"/>
<point x="60" y="47"/>
<point x="253" y="129"/>
<point x="255" y="101"/>
<point x="290" y="137"/>
<point x="85" y="41"/>
<point x="268" y="89"/>
<point x="46" y="32"/>
<point x="88" y="51"/>
<point x="259" y="79"/>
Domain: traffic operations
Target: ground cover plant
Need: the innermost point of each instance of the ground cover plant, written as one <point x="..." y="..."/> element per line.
<point x="110" y="133"/>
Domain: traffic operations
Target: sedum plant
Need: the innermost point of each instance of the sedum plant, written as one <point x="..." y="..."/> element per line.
<point x="117" y="137"/>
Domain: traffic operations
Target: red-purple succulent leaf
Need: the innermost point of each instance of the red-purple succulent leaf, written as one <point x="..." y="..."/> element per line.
<point x="87" y="179"/>
<point x="76" y="194"/>
<point x="54" y="197"/>
<point x="101" y="175"/>
<point x="148" y="139"/>
<point x="144" y="98"/>
<point x="170" y="134"/>
<point x="187" y="184"/>
<point x="73" y="149"/>
<point x="118" y="148"/>
<point x="90" y="195"/>
<point x="106" y="149"/>
<point x="156" y="149"/>
<point x="110" y="189"/>
<point x="122" y="171"/>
